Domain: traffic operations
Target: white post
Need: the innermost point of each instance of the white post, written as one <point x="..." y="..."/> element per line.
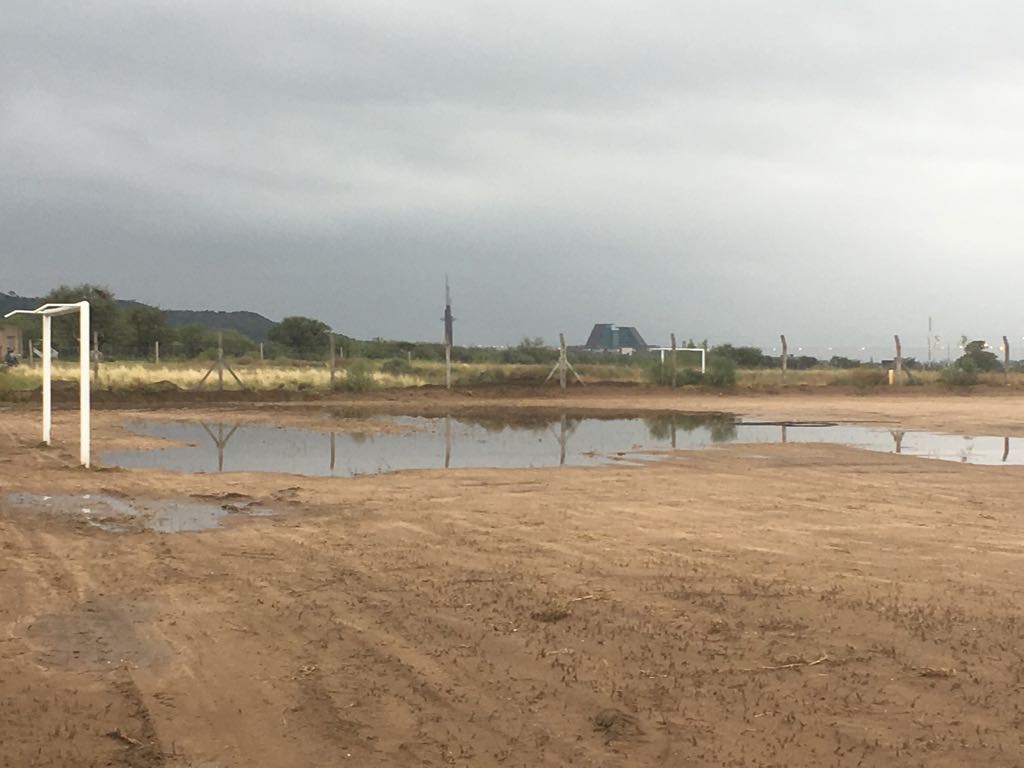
<point x="84" y="383"/>
<point x="46" y="379"/>
<point x="703" y="361"/>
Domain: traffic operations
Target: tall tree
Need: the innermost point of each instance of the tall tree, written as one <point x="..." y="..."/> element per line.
<point x="106" y="315"/>
<point x="302" y="336"/>
<point x="147" y="325"/>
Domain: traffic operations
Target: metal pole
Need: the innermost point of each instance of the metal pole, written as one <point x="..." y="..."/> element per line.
<point x="46" y="378"/>
<point x="84" y="394"/>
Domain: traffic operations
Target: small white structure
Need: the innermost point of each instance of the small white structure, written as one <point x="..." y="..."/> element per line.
<point x="48" y="312"/>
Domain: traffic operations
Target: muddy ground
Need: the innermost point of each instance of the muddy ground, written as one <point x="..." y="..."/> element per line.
<point x="793" y="605"/>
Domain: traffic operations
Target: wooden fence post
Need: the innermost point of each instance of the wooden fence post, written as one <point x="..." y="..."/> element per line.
<point x="563" y="366"/>
<point x="334" y="364"/>
<point x="261" y="351"/>
<point x="673" y="337"/>
<point x="156" y="352"/>
<point x="899" y="360"/>
<point x="1006" y="361"/>
<point x="96" y="357"/>
<point x="785" y="355"/>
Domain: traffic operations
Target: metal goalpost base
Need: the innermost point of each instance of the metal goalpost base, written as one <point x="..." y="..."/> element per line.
<point x="48" y="312"/>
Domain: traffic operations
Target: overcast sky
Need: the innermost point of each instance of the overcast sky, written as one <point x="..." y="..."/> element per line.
<point x="723" y="169"/>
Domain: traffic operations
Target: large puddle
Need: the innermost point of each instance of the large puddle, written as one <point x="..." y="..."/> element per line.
<point x="424" y="443"/>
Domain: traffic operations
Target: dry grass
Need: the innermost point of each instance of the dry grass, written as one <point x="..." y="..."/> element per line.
<point x="296" y="376"/>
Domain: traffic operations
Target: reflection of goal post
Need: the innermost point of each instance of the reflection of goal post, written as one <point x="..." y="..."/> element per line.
<point x="48" y="312"/>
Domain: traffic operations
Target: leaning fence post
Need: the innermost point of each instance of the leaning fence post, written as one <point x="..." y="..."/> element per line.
<point x="899" y="360"/>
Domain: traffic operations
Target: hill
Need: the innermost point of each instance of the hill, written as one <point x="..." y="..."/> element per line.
<point x="250" y="324"/>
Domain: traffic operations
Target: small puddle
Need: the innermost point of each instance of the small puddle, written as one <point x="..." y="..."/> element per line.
<point x="533" y="441"/>
<point x="114" y="514"/>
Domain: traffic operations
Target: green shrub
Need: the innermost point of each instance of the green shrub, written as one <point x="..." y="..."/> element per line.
<point x="721" y="372"/>
<point x="959" y="375"/>
<point x="396" y="366"/>
<point x="862" y="377"/>
<point x="661" y="374"/>
<point x="358" y="378"/>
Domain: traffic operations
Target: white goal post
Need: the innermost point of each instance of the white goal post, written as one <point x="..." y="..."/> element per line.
<point x="48" y="312"/>
<point x="703" y="354"/>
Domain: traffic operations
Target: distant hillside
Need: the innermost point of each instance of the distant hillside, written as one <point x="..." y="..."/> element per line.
<point x="250" y="324"/>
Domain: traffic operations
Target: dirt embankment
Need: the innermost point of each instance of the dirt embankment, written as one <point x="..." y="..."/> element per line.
<point x="796" y="605"/>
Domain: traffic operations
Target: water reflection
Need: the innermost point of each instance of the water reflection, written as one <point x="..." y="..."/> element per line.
<point x="220" y="440"/>
<point x="539" y="440"/>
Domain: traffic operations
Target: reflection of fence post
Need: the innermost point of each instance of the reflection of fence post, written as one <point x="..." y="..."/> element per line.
<point x="673" y="336"/>
<point x="899" y="360"/>
<point x="785" y="355"/>
<point x="1006" y="449"/>
<point x="333" y="451"/>
<point x="1006" y="361"/>
<point x="897" y="437"/>
<point x="220" y="440"/>
<point x="447" y="441"/>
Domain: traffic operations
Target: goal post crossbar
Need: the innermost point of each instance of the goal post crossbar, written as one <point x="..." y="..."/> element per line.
<point x="48" y="312"/>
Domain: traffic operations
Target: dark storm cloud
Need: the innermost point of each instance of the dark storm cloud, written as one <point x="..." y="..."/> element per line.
<point x="728" y="169"/>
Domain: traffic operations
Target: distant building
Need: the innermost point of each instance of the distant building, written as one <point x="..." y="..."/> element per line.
<point x="624" y="339"/>
<point x="11" y="337"/>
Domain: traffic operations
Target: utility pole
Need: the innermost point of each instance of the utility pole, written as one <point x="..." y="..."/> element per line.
<point x="449" y="335"/>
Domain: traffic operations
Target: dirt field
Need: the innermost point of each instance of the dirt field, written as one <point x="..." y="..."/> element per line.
<point x="796" y="605"/>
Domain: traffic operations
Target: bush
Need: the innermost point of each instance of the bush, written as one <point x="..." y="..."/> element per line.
<point x="358" y="378"/>
<point x="396" y="366"/>
<point x="959" y="375"/>
<point x="661" y="374"/>
<point x="721" y="372"/>
<point x="862" y="377"/>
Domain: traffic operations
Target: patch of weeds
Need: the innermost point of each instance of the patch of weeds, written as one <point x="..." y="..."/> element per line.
<point x="550" y="614"/>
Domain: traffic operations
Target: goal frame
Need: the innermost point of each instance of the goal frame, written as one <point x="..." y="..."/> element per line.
<point x="47" y="312"/>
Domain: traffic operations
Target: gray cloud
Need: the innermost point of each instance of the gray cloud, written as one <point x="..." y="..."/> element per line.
<point x="728" y="169"/>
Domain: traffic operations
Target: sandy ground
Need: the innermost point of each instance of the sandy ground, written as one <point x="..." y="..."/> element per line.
<point x="793" y="605"/>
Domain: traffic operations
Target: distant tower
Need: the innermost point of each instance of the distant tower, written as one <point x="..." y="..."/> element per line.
<point x="449" y="321"/>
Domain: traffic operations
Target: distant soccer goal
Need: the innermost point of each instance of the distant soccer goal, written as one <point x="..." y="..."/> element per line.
<point x="703" y="354"/>
<point x="48" y="312"/>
